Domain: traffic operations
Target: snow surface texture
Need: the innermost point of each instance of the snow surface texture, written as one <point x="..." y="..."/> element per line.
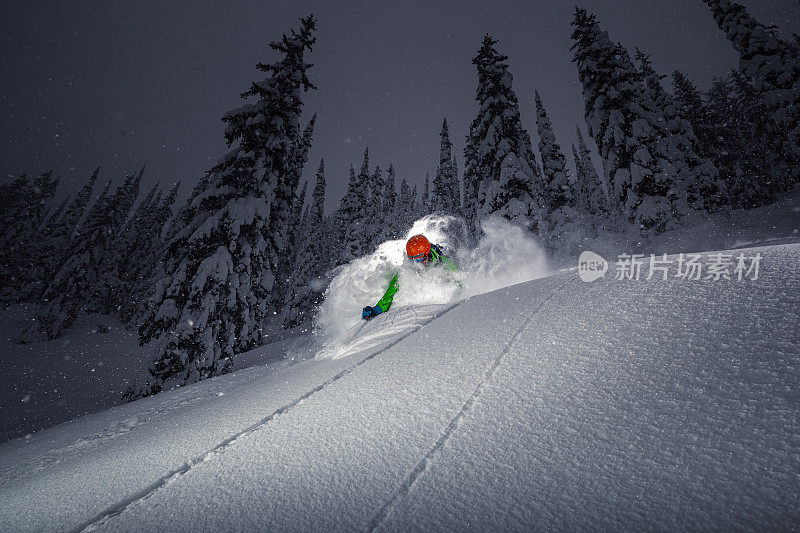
<point x="88" y="369"/>
<point x="505" y="255"/>
<point x="550" y="405"/>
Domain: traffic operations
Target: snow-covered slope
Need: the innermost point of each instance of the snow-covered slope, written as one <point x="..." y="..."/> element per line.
<point x="44" y="383"/>
<point x="553" y="404"/>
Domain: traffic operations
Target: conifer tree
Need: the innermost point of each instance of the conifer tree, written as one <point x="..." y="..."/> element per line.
<point x="390" y="212"/>
<point x="308" y="283"/>
<point x="406" y="207"/>
<point x="106" y="291"/>
<point x="501" y="175"/>
<point x="752" y="171"/>
<point x="649" y="169"/>
<point x="773" y="67"/>
<point x="222" y="263"/>
<point x="561" y="225"/>
<point x="424" y="202"/>
<point x="554" y="163"/>
<point x="375" y="224"/>
<point x="445" y="192"/>
<point x="589" y="189"/>
<point x="67" y="292"/>
<point x="23" y="258"/>
<point x="696" y="177"/>
<point x="138" y="251"/>
<point x="688" y="100"/>
<point x="352" y="214"/>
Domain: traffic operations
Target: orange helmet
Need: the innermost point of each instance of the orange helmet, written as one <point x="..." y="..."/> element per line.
<point x="418" y="248"/>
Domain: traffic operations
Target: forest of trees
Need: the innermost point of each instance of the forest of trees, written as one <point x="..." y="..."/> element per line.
<point x="246" y="252"/>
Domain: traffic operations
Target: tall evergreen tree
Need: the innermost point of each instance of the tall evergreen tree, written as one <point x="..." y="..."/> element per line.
<point x="375" y="224"/>
<point x="406" y="207"/>
<point x="131" y="254"/>
<point x="773" y="67"/>
<point x="69" y="289"/>
<point x="752" y="172"/>
<point x="445" y="194"/>
<point x="312" y="262"/>
<point x="590" y="190"/>
<point x="501" y="175"/>
<point x="352" y="221"/>
<point x="688" y="100"/>
<point x="561" y="225"/>
<point x="554" y="163"/>
<point x="106" y="291"/>
<point x="392" y="225"/>
<point x="221" y="265"/>
<point x="23" y="259"/>
<point x="695" y="175"/>
<point x="646" y="167"/>
<point x="424" y="201"/>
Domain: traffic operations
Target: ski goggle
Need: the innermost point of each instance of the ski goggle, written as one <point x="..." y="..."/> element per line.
<point x="419" y="258"/>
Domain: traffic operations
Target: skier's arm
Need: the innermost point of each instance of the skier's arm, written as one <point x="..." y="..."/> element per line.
<point x="386" y="301"/>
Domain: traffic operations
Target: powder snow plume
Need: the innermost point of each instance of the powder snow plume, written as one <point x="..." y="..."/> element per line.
<point x="505" y="255"/>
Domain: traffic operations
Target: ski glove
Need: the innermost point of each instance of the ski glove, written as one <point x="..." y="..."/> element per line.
<point x="371" y="312"/>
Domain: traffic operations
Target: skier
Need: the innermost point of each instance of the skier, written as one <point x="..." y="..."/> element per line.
<point x="420" y="250"/>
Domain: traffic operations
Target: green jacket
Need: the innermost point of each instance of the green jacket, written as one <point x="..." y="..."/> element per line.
<point x="437" y="258"/>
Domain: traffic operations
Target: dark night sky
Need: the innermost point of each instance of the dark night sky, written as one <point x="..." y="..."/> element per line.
<point x="121" y="84"/>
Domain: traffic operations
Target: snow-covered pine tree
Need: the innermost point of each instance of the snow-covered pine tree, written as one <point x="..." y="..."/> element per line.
<point x="286" y="215"/>
<point x="697" y="176"/>
<point x="445" y="194"/>
<point x="688" y="100"/>
<point x="298" y="194"/>
<point x="627" y="131"/>
<point x="11" y="195"/>
<point x="594" y="199"/>
<point x="390" y="213"/>
<point x="406" y="207"/>
<point x="748" y="149"/>
<point x="561" y="225"/>
<point x="62" y="230"/>
<point x="106" y="291"/>
<point x="579" y="184"/>
<point x="308" y="283"/>
<point x="773" y="66"/>
<point x="53" y="216"/>
<point x="67" y="292"/>
<point x="501" y="175"/>
<point x="23" y="258"/>
<point x="556" y="191"/>
<point x="351" y="216"/>
<point x="221" y="264"/>
<point x="376" y="218"/>
<point x="148" y="259"/>
<point x="459" y="186"/>
<point x="416" y="197"/>
<point x="425" y="205"/>
<point x="131" y="253"/>
<point x="88" y="279"/>
<point x="298" y="213"/>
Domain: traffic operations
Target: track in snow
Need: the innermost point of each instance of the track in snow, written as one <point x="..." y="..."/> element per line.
<point x="422" y="465"/>
<point x="110" y="512"/>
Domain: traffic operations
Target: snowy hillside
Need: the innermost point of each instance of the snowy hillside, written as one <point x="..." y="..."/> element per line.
<point x="553" y="404"/>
